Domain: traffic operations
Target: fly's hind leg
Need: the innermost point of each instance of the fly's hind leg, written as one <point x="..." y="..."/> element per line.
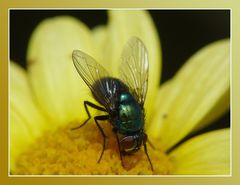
<point x="146" y="152"/>
<point x="119" y="149"/>
<point x="86" y="104"/>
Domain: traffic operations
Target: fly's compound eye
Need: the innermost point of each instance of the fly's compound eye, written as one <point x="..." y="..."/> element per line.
<point x="129" y="144"/>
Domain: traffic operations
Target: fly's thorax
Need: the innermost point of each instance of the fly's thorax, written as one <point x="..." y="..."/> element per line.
<point x="129" y="118"/>
<point x="106" y="91"/>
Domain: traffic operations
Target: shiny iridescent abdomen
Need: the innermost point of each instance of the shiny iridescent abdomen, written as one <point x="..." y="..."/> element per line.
<point x="130" y="115"/>
<point x="126" y="114"/>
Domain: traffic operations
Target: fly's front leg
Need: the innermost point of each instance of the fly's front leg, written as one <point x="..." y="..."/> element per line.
<point x="86" y="104"/>
<point x="101" y="118"/>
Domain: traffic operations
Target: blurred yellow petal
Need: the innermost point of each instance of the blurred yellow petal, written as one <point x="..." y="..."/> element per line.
<point x="198" y="94"/>
<point x="20" y="137"/>
<point x="100" y="35"/>
<point x="207" y="154"/>
<point x="218" y="109"/>
<point x="123" y="25"/>
<point x="26" y="121"/>
<point x="165" y="98"/>
<point x="58" y="88"/>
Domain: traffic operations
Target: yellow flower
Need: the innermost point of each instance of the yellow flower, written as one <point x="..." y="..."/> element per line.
<point x="47" y="100"/>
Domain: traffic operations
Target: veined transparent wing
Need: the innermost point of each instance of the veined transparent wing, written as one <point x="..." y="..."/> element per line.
<point x="96" y="77"/>
<point x="134" y="68"/>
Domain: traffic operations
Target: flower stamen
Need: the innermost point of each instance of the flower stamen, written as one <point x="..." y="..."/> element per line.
<point x="76" y="152"/>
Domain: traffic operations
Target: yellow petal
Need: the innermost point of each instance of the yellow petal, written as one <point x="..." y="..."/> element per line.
<point x="123" y="25"/>
<point x="100" y="35"/>
<point x="26" y="121"/>
<point x="217" y="110"/>
<point x="165" y="98"/>
<point x="198" y="94"/>
<point x="20" y="137"/>
<point x="58" y="88"/>
<point x="203" y="155"/>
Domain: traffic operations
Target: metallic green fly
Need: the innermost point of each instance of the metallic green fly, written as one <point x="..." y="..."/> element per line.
<point x="122" y="99"/>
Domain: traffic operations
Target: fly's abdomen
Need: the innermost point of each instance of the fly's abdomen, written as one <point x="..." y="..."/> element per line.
<point x="130" y="116"/>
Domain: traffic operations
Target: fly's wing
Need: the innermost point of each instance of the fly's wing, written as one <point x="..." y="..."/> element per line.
<point x="93" y="75"/>
<point x="134" y="68"/>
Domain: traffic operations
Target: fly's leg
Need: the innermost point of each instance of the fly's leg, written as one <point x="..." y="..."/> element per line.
<point x="86" y="104"/>
<point x="151" y="144"/>
<point x="101" y="118"/>
<point x="119" y="150"/>
<point x="146" y="152"/>
<point x="96" y="118"/>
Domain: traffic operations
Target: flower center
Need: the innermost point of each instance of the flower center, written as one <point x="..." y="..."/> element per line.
<point x="67" y="151"/>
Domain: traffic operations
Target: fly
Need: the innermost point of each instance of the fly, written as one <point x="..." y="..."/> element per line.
<point x="122" y="99"/>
